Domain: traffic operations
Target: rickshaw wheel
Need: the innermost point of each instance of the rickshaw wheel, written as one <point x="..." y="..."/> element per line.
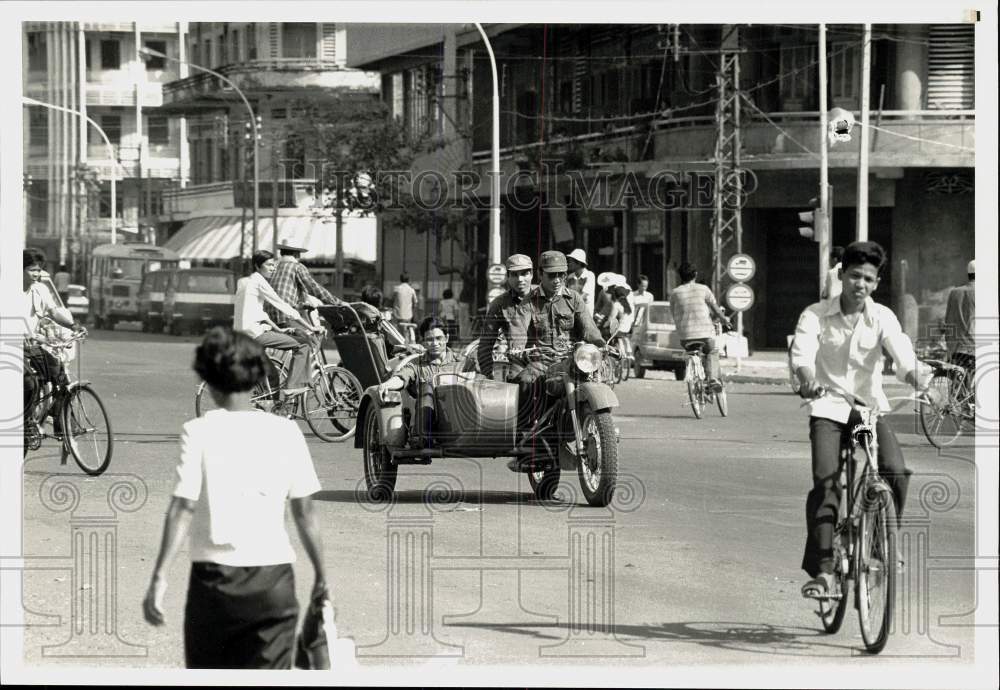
<point x="380" y="471"/>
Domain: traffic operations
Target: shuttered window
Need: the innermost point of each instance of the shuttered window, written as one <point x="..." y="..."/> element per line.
<point x="951" y="67"/>
<point x="329" y="43"/>
<point x="298" y="40"/>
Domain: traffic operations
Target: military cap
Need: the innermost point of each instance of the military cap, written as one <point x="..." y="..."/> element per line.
<point x="552" y="261"/>
<point x="518" y="262"/>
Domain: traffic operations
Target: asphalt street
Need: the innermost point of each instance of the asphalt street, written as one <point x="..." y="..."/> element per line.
<point x="697" y="562"/>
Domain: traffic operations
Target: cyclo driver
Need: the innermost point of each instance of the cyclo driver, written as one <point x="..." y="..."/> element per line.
<point x="540" y="324"/>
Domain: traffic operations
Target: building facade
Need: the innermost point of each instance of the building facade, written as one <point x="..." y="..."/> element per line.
<point x="95" y="68"/>
<point x="609" y="141"/>
<point x="275" y="66"/>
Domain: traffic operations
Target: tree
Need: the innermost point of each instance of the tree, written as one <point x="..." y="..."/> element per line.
<point x="363" y="161"/>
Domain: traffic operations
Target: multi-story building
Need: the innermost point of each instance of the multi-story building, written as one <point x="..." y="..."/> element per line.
<point x="95" y="68"/>
<point x="276" y="65"/>
<point x="626" y="105"/>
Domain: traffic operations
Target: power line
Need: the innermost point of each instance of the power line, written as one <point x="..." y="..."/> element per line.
<point x="913" y="138"/>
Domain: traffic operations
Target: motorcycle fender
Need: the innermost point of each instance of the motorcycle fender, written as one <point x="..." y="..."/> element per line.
<point x="390" y="420"/>
<point x="598" y="395"/>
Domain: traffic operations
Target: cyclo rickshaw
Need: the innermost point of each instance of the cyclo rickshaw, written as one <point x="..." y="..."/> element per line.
<point x="476" y="417"/>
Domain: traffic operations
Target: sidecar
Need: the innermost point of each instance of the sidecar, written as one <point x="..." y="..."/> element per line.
<point x="475" y="417"/>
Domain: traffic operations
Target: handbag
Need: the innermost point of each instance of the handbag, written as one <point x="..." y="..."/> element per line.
<point x="314" y="646"/>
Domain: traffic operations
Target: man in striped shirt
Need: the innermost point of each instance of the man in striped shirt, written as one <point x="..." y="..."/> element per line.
<point x="293" y="282"/>
<point x="694" y="306"/>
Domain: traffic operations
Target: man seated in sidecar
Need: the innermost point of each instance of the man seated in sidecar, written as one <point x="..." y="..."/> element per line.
<point x="418" y="377"/>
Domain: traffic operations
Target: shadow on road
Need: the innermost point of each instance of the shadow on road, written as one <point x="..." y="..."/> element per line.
<point x="754" y="638"/>
<point x="437" y="497"/>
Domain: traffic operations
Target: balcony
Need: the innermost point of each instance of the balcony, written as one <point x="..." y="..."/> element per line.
<point x="121" y="94"/>
<point x="908" y="141"/>
<point x="144" y="27"/>
<point x="204" y="91"/>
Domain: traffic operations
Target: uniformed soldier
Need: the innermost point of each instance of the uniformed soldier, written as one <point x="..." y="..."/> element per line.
<point x="547" y="316"/>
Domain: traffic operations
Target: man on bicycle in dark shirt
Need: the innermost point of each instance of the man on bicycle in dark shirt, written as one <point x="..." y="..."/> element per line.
<point x="838" y="347"/>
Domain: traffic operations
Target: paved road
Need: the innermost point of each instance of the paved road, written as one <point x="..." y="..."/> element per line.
<point x="697" y="564"/>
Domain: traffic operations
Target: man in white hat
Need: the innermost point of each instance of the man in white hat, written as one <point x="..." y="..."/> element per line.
<point x="294" y="283"/>
<point x="581" y="278"/>
<point x="960" y="322"/>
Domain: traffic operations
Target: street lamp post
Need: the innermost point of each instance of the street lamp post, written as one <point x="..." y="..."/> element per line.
<point x="494" y="247"/>
<point x="253" y="125"/>
<point x="111" y="155"/>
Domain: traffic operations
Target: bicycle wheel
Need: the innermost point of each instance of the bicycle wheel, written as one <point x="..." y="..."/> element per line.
<point x="876" y="565"/>
<point x="942" y="425"/>
<point x="695" y="396"/>
<point x="831" y="611"/>
<point x="723" y="402"/>
<point x="86" y="430"/>
<point x="330" y="406"/>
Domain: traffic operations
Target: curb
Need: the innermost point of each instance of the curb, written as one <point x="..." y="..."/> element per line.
<point x="766" y="380"/>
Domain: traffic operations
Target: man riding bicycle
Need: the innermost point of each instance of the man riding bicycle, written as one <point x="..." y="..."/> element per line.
<point x="252" y="293"/>
<point x="694" y="307"/>
<point x="40" y="365"/>
<point x="838" y="347"/>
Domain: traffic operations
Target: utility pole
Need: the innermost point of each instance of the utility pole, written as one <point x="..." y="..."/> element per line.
<point x="825" y="238"/>
<point x="866" y="67"/>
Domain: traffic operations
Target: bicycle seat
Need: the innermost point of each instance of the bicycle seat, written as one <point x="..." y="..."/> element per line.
<point x="697" y="345"/>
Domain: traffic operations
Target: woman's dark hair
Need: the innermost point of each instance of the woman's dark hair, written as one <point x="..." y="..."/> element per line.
<point x="621" y="293"/>
<point x="32" y="257"/>
<point x="858" y="253"/>
<point x="229" y="361"/>
<point x="430" y="323"/>
<point x="687" y="272"/>
<point x="260" y="258"/>
<point x="373" y="296"/>
<point x="447" y="294"/>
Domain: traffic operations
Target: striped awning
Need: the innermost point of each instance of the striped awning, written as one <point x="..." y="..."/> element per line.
<point x="218" y="237"/>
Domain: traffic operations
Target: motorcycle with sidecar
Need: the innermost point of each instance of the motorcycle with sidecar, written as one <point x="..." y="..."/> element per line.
<point x="477" y="417"/>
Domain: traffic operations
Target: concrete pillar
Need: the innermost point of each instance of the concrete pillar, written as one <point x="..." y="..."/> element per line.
<point x="911" y="68"/>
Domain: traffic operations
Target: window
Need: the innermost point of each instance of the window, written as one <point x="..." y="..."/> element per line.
<point x="251" y="39"/>
<point x="234" y="45"/>
<point x="111" y="54"/>
<point x="104" y="201"/>
<point x="797" y="69"/>
<point x="279" y="114"/>
<point x="155" y="61"/>
<point x="38" y="58"/>
<point x="298" y="40"/>
<point x="158" y="130"/>
<point x="223" y="50"/>
<point x="416" y="101"/>
<point x="844" y="67"/>
<point x="398" y="104"/>
<point x="38" y="127"/>
<point x="112" y="126"/>
<point x="38" y="195"/>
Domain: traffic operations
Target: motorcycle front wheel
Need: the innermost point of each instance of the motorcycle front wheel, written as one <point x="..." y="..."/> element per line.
<point x="598" y="469"/>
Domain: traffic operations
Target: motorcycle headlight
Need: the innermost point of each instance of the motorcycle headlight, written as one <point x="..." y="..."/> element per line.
<point x="587" y="358"/>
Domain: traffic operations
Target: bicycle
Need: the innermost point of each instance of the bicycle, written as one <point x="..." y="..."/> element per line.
<point x="699" y="392"/>
<point x="864" y="538"/>
<point x="85" y="428"/>
<point x="622" y="356"/>
<point x="331" y="399"/>
<point x="943" y="425"/>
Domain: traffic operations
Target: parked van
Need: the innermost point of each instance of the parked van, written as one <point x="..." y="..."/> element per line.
<point x="151" y="293"/>
<point x="655" y="341"/>
<point x="197" y="298"/>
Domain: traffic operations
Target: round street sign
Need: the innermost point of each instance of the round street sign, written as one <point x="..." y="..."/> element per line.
<point x="495" y="274"/>
<point x="739" y="297"/>
<point x="74" y="247"/>
<point x="494" y="293"/>
<point x="741" y="267"/>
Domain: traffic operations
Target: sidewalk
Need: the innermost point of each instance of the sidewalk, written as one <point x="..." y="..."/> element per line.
<point x="766" y="367"/>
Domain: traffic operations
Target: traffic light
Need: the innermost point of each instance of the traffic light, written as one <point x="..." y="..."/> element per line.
<point x="816" y="223"/>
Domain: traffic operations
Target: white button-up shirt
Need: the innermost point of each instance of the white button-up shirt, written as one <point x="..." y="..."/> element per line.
<point x="848" y="359"/>
<point x="251" y="294"/>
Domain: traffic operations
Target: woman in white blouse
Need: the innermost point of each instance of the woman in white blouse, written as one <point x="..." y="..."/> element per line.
<point x="238" y="468"/>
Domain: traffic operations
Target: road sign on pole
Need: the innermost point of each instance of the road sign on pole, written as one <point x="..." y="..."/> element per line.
<point x="739" y="297"/>
<point x="741" y="267"/>
<point x="495" y="274"/>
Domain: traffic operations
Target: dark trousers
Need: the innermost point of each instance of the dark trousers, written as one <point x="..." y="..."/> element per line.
<point x="299" y="345"/>
<point x="828" y="438"/>
<point x="530" y="380"/>
<point x="240" y="616"/>
<point x="41" y="367"/>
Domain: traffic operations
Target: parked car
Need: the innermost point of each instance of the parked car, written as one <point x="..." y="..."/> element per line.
<point x="78" y="302"/>
<point x="654" y="341"/>
<point x="197" y="298"/>
<point x="151" y="294"/>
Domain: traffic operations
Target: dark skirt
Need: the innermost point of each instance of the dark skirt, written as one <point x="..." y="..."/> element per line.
<point x="240" y="617"/>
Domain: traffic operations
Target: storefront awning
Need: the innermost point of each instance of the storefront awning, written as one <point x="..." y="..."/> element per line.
<point x="218" y="237"/>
